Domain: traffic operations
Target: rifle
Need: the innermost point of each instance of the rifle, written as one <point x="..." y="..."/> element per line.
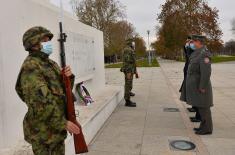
<point x="79" y="140"/>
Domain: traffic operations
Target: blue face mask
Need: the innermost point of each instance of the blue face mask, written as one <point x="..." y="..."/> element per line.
<point x="192" y="46"/>
<point x="133" y="45"/>
<point x="47" y="47"/>
<point x="187" y="45"/>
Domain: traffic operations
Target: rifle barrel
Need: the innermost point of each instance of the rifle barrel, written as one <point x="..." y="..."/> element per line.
<point x="79" y="140"/>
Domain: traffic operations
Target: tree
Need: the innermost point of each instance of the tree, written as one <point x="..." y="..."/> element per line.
<point x="119" y="32"/>
<point x="140" y="46"/>
<point x="179" y="18"/>
<point x="99" y="14"/>
<point x="215" y="46"/>
<point x="229" y="48"/>
<point x="233" y="26"/>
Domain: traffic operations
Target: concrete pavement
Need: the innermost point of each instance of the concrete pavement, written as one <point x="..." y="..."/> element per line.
<point x="222" y="142"/>
<point x="147" y="129"/>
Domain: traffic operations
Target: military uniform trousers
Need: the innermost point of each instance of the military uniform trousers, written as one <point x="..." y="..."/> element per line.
<point x="206" y="119"/>
<point x="43" y="149"/>
<point x="128" y="85"/>
<point x="197" y="115"/>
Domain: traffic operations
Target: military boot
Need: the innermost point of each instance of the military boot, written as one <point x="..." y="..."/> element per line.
<point x="194" y="119"/>
<point x="132" y="94"/>
<point x="191" y="109"/>
<point x="129" y="103"/>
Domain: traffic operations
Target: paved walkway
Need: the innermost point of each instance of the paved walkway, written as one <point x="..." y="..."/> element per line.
<point x="222" y="142"/>
<point x="147" y="129"/>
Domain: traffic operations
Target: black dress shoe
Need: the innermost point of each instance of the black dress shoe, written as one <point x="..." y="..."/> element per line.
<point x="130" y="103"/>
<point x="196" y="129"/>
<point x="200" y="132"/>
<point x="191" y="110"/>
<point x="193" y="119"/>
<point x="132" y="94"/>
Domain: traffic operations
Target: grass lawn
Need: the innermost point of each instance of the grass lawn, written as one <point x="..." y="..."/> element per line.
<point x="218" y="59"/>
<point x="117" y="65"/>
<point x="145" y="63"/>
<point x="140" y="63"/>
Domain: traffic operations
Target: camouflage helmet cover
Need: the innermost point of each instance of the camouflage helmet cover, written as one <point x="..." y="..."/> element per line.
<point x="34" y="36"/>
<point x="129" y="41"/>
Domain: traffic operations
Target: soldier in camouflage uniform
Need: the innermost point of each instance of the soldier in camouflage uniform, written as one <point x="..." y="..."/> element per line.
<point x="40" y="86"/>
<point x="198" y="84"/>
<point x="129" y="69"/>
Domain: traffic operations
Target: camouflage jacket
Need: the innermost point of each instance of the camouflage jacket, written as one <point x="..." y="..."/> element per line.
<point x="129" y="61"/>
<point x="40" y="86"/>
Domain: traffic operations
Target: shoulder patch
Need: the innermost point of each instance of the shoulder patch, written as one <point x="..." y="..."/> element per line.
<point x="206" y="60"/>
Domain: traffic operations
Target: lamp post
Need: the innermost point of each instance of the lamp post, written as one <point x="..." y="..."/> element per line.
<point x="149" y="55"/>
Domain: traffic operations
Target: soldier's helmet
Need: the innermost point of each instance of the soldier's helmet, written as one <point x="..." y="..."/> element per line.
<point x="129" y="42"/>
<point x="34" y="36"/>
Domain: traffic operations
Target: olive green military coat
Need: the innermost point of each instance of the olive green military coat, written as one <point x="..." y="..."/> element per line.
<point x="198" y="77"/>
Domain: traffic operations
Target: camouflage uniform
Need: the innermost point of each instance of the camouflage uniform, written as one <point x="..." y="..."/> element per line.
<point x="129" y="66"/>
<point x="40" y="86"/>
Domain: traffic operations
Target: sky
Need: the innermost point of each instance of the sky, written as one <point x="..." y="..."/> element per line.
<point x="142" y="14"/>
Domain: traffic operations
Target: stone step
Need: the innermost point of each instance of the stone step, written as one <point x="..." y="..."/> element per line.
<point x="91" y="118"/>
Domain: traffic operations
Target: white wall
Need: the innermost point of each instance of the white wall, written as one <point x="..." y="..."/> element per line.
<point x="16" y="17"/>
<point x="1" y="97"/>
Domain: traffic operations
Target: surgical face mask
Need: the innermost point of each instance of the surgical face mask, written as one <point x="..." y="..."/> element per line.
<point x="133" y="45"/>
<point x="192" y="46"/>
<point x="47" y="47"/>
<point x="187" y="45"/>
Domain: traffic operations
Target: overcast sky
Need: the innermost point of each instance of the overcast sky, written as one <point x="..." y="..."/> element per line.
<point x="142" y="14"/>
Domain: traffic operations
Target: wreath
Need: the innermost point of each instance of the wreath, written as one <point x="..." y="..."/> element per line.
<point x="84" y="94"/>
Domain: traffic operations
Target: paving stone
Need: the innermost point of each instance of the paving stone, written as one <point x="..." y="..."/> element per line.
<point x="107" y="153"/>
<point x="146" y="130"/>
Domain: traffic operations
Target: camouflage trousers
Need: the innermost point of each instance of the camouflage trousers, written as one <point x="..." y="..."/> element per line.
<point x="128" y="85"/>
<point x="42" y="149"/>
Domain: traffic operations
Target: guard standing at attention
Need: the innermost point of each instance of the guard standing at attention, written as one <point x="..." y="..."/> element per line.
<point x="187" y="53"/>
<point x="198" y="84"/>
<point x="129" y="69"/>
<point x="40" y="86"/>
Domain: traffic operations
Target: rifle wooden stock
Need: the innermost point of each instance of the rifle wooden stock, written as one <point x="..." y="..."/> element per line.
<point x="79" y="140"/>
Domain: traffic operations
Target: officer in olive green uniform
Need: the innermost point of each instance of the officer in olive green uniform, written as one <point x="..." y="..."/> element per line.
<point x="198" y="84"/>
<point x="188" y="51"/>
<point x="40" y="86"/>
<point x="129" y="69"/>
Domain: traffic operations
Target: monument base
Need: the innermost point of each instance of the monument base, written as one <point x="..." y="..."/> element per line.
<point x="92" y="118"/>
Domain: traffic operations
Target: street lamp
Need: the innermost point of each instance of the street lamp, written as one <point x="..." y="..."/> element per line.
<point x="149" y="55"/>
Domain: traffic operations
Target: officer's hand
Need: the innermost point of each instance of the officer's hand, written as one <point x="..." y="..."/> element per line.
<point x="72" y="128"/>
<point x="67" y="71"/>
<point x="137" y="75"/>
<point x="202" y="90"/>
<point x="129" y="76"/>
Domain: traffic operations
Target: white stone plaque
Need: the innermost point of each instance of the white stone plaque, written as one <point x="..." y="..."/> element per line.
<point x="80" y="55"/>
